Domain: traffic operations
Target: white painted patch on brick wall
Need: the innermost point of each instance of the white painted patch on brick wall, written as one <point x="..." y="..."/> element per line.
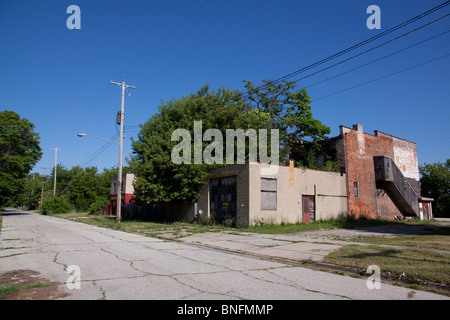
<point x="405" y="157"/>
<point x="361" y="143"/>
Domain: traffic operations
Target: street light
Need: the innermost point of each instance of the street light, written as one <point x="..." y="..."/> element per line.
<point x="119" y="175"/>
<point x="87" y="134"/>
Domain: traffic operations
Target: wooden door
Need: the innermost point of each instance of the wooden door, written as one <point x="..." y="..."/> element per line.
<point x="305" y="210"/>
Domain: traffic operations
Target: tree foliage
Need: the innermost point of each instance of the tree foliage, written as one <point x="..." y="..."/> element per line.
<point x="19" y="152"/>
<point x="55" y="205"/>
<point x="272" y="106"/>
<point x="289" y="111"/>
<point x="84" y="186"/>
<point x="158" y="179"/>
<point x="435" y="183"/>
<point x="31" y="194"/>
<point x="79" y="189"/>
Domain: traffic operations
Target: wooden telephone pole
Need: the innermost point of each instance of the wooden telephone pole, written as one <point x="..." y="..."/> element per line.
<point x="119" y="176"/>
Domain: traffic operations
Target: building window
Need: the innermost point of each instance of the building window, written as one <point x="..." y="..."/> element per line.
<point x="356" y="189"/>
<point x="115" y="188"/>
<point x="268" y="194"/>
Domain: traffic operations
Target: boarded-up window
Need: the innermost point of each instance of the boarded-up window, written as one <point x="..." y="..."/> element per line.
<point x="268" y="194"/>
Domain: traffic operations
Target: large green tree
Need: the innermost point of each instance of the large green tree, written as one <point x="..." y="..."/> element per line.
<point x="435" y="183"/>
<point x="19" y="152"/>
<point x="290" y="112"/>
<point x="159" y="179"/>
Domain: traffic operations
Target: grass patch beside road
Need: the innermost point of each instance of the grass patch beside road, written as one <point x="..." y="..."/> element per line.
<point x="424" y="269"/>
<point x="438" y="240"/>
<point x="172" y="230"/>
<point x="4" y="291"/>
<point x="148" y="227"/>
<point x="340" y="223"/>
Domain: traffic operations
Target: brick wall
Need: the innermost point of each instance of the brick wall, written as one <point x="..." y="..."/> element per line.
<point x="360" y="148"/>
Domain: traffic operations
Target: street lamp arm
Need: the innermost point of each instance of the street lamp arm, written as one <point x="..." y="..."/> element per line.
<point x="87" y="134"/>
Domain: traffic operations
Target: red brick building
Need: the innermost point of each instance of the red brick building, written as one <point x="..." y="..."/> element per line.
<point x="394" y="192"/>
<point x="365" y="196"/>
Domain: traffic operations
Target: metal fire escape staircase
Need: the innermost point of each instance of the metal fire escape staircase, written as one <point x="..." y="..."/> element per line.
<point x="389" y="178"/>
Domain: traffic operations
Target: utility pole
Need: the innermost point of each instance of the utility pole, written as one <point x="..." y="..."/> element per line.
<point x="54" y="178"/>
<point x="42" y="191"/>
<point x="119" y="175"/>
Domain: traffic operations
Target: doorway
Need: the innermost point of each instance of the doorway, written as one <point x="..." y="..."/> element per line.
<point x="308" y="209"/>
<point x="222" y="193"/>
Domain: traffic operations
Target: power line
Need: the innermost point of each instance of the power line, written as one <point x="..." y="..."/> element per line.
<point x="99" y="152"/>
<point x="379" y="59"/>
<point x="356" y="46"/>
<point x="96" y="155"/>
<point x="371" y="49"/>
<point x="382" y="77"/>
<point x="292" y="74"/>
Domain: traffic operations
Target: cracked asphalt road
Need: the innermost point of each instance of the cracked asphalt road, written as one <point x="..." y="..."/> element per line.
<point x="118" y="265"/>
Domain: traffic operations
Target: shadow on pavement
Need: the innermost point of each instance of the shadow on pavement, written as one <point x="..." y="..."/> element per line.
<point x="14" y="212"/>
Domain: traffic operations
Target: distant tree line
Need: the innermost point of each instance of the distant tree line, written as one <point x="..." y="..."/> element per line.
<point x="77" y="189"/>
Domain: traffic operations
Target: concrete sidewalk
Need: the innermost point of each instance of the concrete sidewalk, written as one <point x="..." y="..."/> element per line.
<point x="300" y="246"/>
<point x="292" y="247"/>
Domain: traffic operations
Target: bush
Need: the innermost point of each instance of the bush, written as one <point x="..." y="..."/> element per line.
<point x="56" y="205"/>
<point x="97" y="206"/>
<point x="205" y="220"/>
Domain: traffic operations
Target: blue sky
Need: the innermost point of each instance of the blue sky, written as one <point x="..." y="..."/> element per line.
<point x="59" y="78"/>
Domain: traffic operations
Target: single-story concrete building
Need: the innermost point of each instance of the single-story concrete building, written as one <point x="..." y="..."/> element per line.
<point x="240" y="192"/>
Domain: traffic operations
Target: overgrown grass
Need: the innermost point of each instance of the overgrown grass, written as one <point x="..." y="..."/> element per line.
<point x="436" y="240"/>
<point x="140" y="226"/>
<point x="4" y="291"/>
<point x="416" y="266"/>
<point x="338" y="223"/>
